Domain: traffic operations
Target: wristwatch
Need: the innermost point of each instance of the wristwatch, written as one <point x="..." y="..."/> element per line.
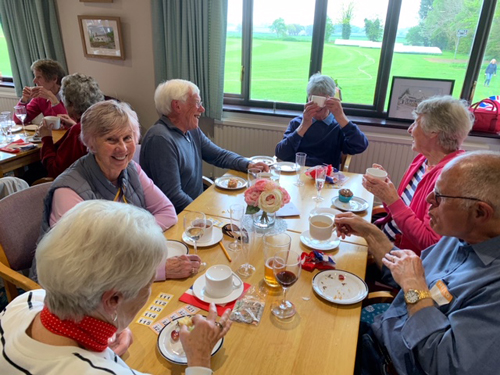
<point x="413" y="296"/>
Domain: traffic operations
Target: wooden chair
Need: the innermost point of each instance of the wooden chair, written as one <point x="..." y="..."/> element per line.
<point x="20" y="221"/>
<point x="345" y="161"/>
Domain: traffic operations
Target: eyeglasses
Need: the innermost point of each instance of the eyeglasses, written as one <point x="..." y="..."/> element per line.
<point x="199" y="104"/>
<point x="438" y="196"/>
<point x="235" y="232"/>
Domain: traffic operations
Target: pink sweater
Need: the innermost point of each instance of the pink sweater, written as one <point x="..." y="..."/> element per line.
<point x="413" y="220"/>
<point x="40" y="105"/>
<point x="156" y="203"/>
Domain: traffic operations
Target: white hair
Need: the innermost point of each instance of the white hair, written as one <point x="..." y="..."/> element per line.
<point x="322" y="85"/>
<point x="450" y="118"/>
<point x="174" y="89"/>
<point x="98" y="246"/>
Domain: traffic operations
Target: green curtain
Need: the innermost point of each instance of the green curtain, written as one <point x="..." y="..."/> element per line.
<point x="31" y="29"/>
<point x="189" y="42"/>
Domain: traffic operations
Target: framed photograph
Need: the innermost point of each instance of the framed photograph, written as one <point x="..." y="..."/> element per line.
<point x="407" y="93"/>
<point x="101" y="37"/>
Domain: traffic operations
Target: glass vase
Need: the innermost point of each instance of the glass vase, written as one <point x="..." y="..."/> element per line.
<point x="263" y="219"/>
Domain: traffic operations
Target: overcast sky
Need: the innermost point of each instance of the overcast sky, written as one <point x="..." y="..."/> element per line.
<point x="302" y="12"/>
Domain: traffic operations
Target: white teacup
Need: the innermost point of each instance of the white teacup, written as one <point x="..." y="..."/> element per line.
<point x="320" y="227"/>
<point x="319" y="100"/>
<point x="54" y="121"/>
<point x="207" y="225"/>
<point x="219" y="281"/>
<point x="376" y="173"/>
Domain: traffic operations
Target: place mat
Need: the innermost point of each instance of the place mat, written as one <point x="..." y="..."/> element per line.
<point x="278" y="227"/>
<point x="190" y="298"/>
<point x="18" y="146"/>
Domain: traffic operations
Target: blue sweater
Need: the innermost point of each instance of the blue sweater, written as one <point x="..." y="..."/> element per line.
<point x="323" y="142"/>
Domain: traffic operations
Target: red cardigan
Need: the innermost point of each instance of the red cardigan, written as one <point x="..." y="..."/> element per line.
<point x="413" y="220"/>
<point x="59" y="156"/>
<point x="40" y="105"/>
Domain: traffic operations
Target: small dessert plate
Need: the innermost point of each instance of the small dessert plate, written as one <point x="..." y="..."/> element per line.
<point x="269" y="160"/>
<point x="222" y="182"/>
<point x="356" y="204"/>
<point x="341" y="287"/>
<point x="172" y="350"/>
<point x="287" y="167"/>
<point x="332" y="243"/>
<point x="205" y="241"/>
<point x="176" y="248"/>
<point x="31" y="128"/>
<point x="16" y="128"/>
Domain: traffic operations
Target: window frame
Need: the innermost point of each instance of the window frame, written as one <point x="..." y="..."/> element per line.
<point x="376" y="109"/>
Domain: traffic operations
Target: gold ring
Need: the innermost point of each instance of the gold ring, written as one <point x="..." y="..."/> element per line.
<point x="219" y="325"/>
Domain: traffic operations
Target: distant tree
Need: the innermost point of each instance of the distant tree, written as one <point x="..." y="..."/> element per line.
<point x="328" y="29"/>
<point x="279" y="27"/>
<point x="373" y="29"/>
<point x="425" y="8"/>
<point x="309" y="30"/>
<point x="346" y="15"/>
<point x="415" y="37"/>
<point x="294" y="29"/>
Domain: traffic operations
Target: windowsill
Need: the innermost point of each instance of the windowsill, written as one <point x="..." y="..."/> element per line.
<point x="360" y="120"/>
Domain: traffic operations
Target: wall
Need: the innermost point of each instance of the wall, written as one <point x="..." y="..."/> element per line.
<point x="130" y="80"/>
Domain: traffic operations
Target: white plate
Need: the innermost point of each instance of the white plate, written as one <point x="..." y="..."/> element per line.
<point x="327" y="211"/>
<point x="287" y="167"/>
<point x="171" y="350"/>
<point x="354" y="205"/>
<point x="269" y="160"/>
<point x="205" y="241"/>
<point x="343" y="292"/>
<point x="34" y="140"/>
<point x="176" y="248"/>
<point x="200" y="293"/>
<point x="31" y="128"/>
<point x="332" y="243"/>
<point x="16" y="128"/>
<point x="222" y="182"/>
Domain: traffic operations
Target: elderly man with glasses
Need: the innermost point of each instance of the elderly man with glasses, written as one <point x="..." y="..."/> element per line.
<point x="445" y="318"/>
<point x="173" y="149"/>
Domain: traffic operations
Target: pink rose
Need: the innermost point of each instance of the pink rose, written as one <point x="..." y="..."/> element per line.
<point x="286" y="196"/>
<point x="252" y="197"/>
<point x="261" y="184"/>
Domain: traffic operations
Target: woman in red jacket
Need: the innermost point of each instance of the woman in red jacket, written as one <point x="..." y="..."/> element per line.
<point x="440" y="127"/>
<point x="44" y="97"/>
<point x="79" y="92"/>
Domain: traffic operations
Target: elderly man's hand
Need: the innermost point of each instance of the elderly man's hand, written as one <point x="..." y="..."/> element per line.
<point x="263" y="166"/>
<point x="406" y="268"/>
<point x="121" y="342"/>
<point x="198" y="343"/>
<point x="383" y="190"/>
<point x="335" y="107"/>
<point x="182" y="266"/>
<point x="348" y="224"/>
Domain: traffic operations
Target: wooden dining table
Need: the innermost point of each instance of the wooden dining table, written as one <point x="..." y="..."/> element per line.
<point x="13" y="162"/>
<point x="320" y="339"/>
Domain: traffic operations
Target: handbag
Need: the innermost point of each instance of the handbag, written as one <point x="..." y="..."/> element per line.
<point x="486" y="119"/>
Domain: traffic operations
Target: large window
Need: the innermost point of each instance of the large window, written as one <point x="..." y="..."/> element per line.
<point x="5" y="69"/>
<point x="273" y="46"/>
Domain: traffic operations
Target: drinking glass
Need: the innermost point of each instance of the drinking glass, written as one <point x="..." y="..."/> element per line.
<point x="6" y="125"/>
<point x="273" y="243"/>
<point x="236" y="211"/>
<point x="253" y="175"/>
<point x="320" y="181"/>
<point x="194" y="231"/>
<point x="286" y="267"/>
<point x="20" y="112"/>
<point x="247" y="244"/>
<point x="300" y="160"/>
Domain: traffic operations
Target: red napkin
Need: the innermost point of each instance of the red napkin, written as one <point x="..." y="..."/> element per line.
<point x="317" y="260"/>
<point x="17" y="146"/>
<point x="191" y="299"/>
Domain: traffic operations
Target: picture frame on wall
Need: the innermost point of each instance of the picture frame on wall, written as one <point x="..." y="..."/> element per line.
<point x="407" y="93"/>
<point x="101" y="37"/>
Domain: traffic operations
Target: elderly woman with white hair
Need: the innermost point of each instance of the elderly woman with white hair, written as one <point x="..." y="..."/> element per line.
<point x="441" y="125"/>
<point x="110" y="130"/>
<point x="96" y="268"/>
<point x="323" y="132"/>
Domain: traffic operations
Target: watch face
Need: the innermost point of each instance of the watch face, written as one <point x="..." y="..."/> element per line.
<point x="412" y="296"/>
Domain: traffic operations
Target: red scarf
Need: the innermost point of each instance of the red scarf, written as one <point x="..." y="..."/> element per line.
<point x="91" y="333"/>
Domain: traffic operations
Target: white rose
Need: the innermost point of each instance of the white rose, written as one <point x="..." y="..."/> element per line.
<point x="270" y="201"/>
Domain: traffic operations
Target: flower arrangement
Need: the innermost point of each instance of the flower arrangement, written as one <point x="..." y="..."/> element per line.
<point x="265" y="195"/>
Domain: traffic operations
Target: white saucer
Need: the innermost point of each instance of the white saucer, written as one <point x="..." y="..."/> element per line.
<point x="287" y="167"/>
<point x="344" y="290"/>
<point x="16" y="128"/>
<point x="356" y="204"/>
<point x="172" y="350"/>
<point x="176" y="248"/>
<point x="31" y="128"/>
<point x="200" y="293"/>
<point x="269" y="160"/>
<point x="205" y="241"/>
<point x="332" y="243"/>
<point x="327" y="211"/>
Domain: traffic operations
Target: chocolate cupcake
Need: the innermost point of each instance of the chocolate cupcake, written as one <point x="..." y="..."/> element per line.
<point x="345" y="195"/>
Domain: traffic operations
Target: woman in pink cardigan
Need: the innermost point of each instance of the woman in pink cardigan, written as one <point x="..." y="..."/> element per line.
<point x="440" y="127"/>
<point x="44" y="97"/>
